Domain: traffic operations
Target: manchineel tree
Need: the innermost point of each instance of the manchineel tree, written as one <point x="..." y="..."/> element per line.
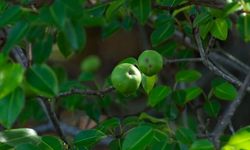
<point x="183" y="33"/>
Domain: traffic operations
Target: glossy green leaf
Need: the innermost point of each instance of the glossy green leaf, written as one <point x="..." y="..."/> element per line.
<point x="179" y="96"/>
<point x="42" y="49"/>
<point x="203" y="144"/>
<point x="202" y="18"/>
<point x="9" y="15"/>
<point x="42" y="80"/>
<point x="57" y="12"/>
<point x="141" y="9"/>
<point x="148" y="82"/>
<point x="185" y="135"/>
<point x="110" y="28"/>
<point x="225" y="91"/>
<point x="240" y="140"/>
<point x="15" y="137"/>
<point x="75" y="35"/>
<point x="192" y="93"/>
<point x="162" y="33"/>
<point x="138" y="138"/>
<point x="163" y="145"/>
<point x="172" y="3"/>
<point x="205" y="29"/>
<point x="11" y="75"/>
<point x="220" y="29"/>
<point x="15" y="35"/>
<point x="26" y="147"/>
<point x="113" y="8"/>
<point x="187" y="75"/>
<point x="231" y="8"/>
<point x="145" y="116"/>
<point x="109" y="125"/>
<point x="158" y="94"/>
<point x="54" y="142"/>
<point x="64" y="45"/>
<point x="10" y="107"/>
<point x="115" y="145"/>
<point x="88" y="137"/>
<point x="212" y="108"/>
<point x="243" y="27"/>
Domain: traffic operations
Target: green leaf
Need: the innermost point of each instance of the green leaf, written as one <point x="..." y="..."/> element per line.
<point x="243" y="27"/>
<point x="145" y="116"/>
<point x="172" y="3"/>
<point x="75" y="35"/>
<point x="202" y="18"/>
<point x="205" y="29"/>
<point x="163" y="145"/>
<point x="138" y="138"/>
<point x="158" y="94"/>
<point x="141" y="9"/>
<point x="11" y="75"/>
<point x="57" y="12"/>
<point x="54" y="142"/>
<point x="26" y="147"/>
<point x="231" y="8"/>
<point x="88" y="137"/>
<point x="42" y="80"/>
<point x="15" y="137"/>
<point x="148" y="82"/>
<point x="225" y="91"/>
<point x="115" y="145"/>
<point x="9" y="15"/>
<point x="185" y="135"/>
<point x="187" y="75"/>
<point x="203" y="144"/>
<point x="42" y="49"/>
<point x="220" y="29"/>
<point x="113" y="9"/>
<point x="192" y="93"/>
<point x="64" y="45"/>
<point x="212" y="108"/>
<point x="162" y="33"/>
<point x="240" y="140"/>
<point x="109" y="125"/>
<point x="10" y="107"/>
<point x="179" y="96"/>
<point x="15" y="35"/>
<point x="110" y="28"/>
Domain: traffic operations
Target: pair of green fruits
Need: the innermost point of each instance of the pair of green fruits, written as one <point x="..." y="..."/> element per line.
<point x="126" y="78"/>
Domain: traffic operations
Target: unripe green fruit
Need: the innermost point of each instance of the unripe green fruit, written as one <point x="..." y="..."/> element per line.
<point x="91" y="64"/>
<point x="150" y="62"/>
<point x="126" y="78"/>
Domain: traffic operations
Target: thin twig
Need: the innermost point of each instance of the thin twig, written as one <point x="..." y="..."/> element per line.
<point x="229" y="112"/>
<point x="48" y="109"/>
<point x="168" y="61"/>
<point x="207" y="3"/>
<point x="86" y="92"/>
<point x="29" y="53"/>
<point x="68" y="129"/>
<point x="211" y="66"/>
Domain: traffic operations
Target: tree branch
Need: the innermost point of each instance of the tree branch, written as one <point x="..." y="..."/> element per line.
<point x="211" y="66"/>
<point x="86" y="92"/>
<point x="169" y="61"/>
<point x="47" y="107"/>
<point x="229" y="112"/>
<point x="206" y="3"/>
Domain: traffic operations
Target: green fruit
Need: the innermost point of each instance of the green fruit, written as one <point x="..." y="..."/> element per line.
<point x="126" y="78"/>
<point x="150" y="62"/>
<point x="91" y="64"/>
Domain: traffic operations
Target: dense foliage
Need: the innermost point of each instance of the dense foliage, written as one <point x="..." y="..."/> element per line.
<point x="178" y="107"/>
